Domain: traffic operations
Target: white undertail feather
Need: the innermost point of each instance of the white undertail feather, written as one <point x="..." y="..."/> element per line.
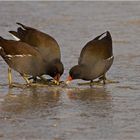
<point x="101" y="37"/>
<point x="16" y="38"/>
<point x="110" y="57"/>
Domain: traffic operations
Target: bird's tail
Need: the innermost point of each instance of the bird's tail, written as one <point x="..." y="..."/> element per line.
<point x="19" y="34"/>
<point x="24" y="26"/>
<point x="15" y="35"/>
<point x="2" y="40"/>
<point x="21" y="25"/>
<point x="103" y="35"/>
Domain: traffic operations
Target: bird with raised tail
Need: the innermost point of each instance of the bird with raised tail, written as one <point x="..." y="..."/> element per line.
<point x="95" y="60"/>
<point x="45" y="44"/>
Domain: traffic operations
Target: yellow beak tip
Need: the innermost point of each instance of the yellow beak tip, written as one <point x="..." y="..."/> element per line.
<point x="67" y="82"/>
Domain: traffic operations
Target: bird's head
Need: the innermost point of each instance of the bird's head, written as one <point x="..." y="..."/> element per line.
<point x="74" y="73"/>
<point x="56" y="69"/>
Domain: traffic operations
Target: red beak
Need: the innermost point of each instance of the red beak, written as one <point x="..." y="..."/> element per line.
<point x="69" y="78"/>
<point x="57" y="77"/>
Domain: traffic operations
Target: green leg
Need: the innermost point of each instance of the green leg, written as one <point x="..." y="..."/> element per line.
<point x="9" y="77"/>
<point x="34" y="79"/>
<point x="91" y="83"/>
<point x="103" y="78"/>
<point x="26" y="79"/>
<point x="111" y="81"/>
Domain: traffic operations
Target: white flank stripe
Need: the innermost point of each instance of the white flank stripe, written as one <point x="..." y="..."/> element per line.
<point x="16" y="38"/>
<point x="0" y="48"/>
<point x="22" y="55"/>
<point x="19" y="55"/>
<point x="10" y="56"/>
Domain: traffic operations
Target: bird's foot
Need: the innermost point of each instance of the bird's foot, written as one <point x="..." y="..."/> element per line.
<point x="55" y="82"/>
<point x="17" y="85"/>
<point x="106" y="81"/>
<point x="44" y="81"/>
<point x="111" y="81"/>
<point x="90" y="83"/>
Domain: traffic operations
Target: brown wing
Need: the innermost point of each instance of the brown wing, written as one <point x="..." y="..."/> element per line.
<point x="12" y="47"/>
<point x="22" y="57"/>
<point x="47" y="45"/>
<point x="97" y="49"/>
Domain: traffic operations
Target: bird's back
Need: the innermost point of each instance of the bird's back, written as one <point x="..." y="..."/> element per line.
<point x="46" y="44"/>
<point x="96" y="50"/>
<point x="17" y="47"/>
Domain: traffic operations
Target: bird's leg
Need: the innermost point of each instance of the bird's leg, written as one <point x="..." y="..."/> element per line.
<point x="34" y="79"/>
<point x="87" y="83"/>
<point x="103" y="78"/>
<point x="111" y="81"/>
<point x="9" y="77"/>
<point x="26" y="79"/>
<point x="91" y="83"/>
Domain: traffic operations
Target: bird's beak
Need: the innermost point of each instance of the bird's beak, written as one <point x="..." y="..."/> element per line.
<point x="68" y="79"/>
<point x="56" y="79"/>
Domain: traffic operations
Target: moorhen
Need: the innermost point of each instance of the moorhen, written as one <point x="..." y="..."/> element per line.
<point x="22" y="58"/>
<point x="45" y="44"/>
<point x="95" y="59"/>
